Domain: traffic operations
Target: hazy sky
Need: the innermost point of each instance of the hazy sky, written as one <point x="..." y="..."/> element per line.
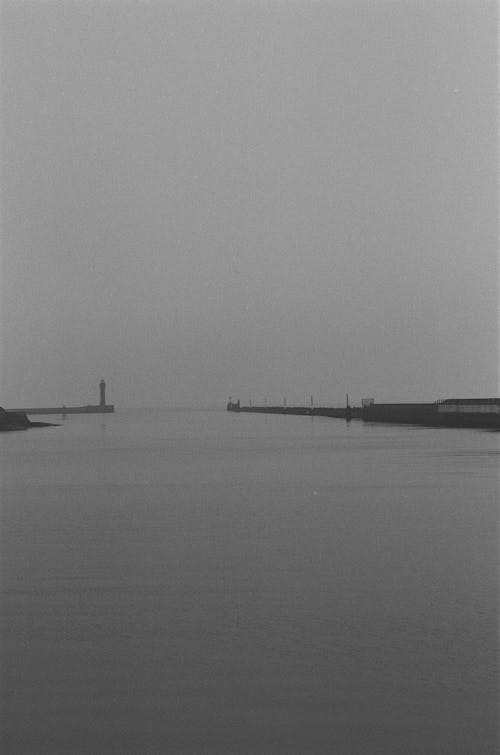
<point x="256" y="199"/>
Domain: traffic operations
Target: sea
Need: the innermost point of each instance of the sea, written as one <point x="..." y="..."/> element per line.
<point x="199" y="581"/>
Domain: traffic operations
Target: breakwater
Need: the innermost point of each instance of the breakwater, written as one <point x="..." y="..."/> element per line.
<point x="341" y="412"/>
<point x="481" y="413"/>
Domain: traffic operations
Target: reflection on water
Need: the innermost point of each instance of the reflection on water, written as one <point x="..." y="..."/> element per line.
<point x="202" y="582"/>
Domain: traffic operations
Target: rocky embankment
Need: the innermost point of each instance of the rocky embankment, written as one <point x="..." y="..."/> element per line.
<point x="18" y="421"/>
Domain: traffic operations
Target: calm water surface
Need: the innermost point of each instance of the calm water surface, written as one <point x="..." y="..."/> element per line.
<point x="204" y="582"/>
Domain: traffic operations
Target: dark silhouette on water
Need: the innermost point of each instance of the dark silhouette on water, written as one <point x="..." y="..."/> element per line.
<point x="18" y="421"/>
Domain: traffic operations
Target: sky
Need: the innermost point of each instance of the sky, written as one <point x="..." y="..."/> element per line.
<point x="253" y="199"/>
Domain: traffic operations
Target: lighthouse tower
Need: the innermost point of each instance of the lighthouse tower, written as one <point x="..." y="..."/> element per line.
<point x="102" y="391"/>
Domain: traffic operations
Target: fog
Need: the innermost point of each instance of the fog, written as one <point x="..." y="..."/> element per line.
<point x="260" y="199"/>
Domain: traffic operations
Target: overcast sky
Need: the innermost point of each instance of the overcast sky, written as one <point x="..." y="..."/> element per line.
<point x="255" y="199"/>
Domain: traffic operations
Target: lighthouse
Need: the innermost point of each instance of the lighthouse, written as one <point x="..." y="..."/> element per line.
<point x="102" y="392"/>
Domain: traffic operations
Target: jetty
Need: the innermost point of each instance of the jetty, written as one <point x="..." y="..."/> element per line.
<point x="101" y="408"/>
<point x="480" y="413"/>
<point x="346" y="412"/>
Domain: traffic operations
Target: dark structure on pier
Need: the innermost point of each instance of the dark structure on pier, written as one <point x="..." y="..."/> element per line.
<point x="102" y="394"/>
